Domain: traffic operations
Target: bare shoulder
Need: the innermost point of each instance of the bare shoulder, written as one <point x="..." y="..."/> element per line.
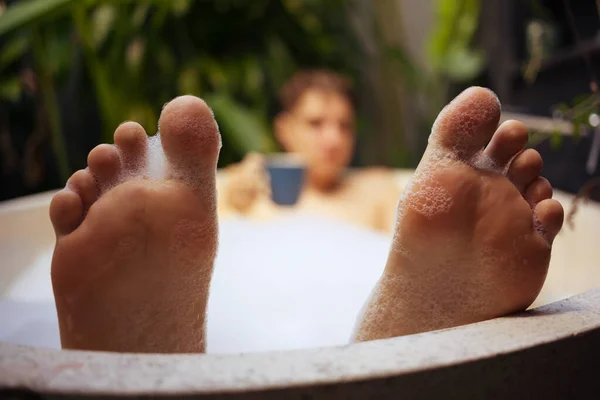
<point x="374" y="178"/>
<point x="379" y="184"/>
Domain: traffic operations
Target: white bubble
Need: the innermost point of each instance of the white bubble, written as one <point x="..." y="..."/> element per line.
<point x="484" y="162"/>
<point x="157" y="162"/>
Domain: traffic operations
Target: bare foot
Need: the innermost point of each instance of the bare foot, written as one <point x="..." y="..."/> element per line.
<point x="136" y="242"/>
<point x="474" y="229"/>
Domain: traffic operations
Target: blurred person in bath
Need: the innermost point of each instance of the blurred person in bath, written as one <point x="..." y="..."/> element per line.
<point x="316" y="122"/>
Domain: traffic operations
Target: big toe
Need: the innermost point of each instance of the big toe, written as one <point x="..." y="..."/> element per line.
<point x="189" y="136"/>
<point x="466" y="125"/>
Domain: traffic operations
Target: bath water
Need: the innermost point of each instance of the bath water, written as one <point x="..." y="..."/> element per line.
<point x="291" y="283"/>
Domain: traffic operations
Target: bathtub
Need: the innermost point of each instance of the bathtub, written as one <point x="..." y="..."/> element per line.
<point x="550" y="350"/>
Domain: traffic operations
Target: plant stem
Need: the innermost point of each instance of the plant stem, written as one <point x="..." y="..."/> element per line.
<point x="98" y="75"/>
<point x="584" y="193"/>
<point x="585" y="56"/>
<point x="51" y="107"/>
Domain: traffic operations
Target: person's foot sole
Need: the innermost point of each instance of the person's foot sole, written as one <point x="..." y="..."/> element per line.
<point x="474" y="230"/>
<point x="136" y="242"/>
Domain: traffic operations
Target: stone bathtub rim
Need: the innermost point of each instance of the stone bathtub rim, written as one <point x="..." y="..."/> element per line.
<point x="97" y="373"/>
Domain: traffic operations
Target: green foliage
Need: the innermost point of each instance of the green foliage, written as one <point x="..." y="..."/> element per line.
<point x="579" y="111"/>
<point x="556" y="140"/>
<point x="451" y="50"/>
<point x="28" y="13"/>
<point x="140" y="54"/>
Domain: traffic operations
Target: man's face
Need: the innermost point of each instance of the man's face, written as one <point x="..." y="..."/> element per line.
<point x="321" y="129"/>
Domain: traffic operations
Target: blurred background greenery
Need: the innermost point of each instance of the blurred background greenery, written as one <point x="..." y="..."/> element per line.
<point x="72" y="70"/>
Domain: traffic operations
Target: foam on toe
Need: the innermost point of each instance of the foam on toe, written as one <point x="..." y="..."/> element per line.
<point x="424" y="195"/>
<point x="185" y="148"/>
<point x="190" y="138"/>
<point x="459" y="133"/>
<point x="157" y="161"/>
<point x="151" y="165"/>
<point x="466" y="124"/>
<point x="104" y="164"/>
<point x="131" y="142"/>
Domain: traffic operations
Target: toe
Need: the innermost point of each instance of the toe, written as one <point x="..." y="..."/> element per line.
<point x="132" y="144"/>
<point x="82" y="182"/>
<point x="525" y="168"/>
<point x="466" y="124"/>
<point x="539" y="190"/>
<point x="104" y="164"/>
<point x="66" y="212"/>
<point x="189" y="136"/>
<point x="510" y="138"/>
<point x="550" y="214"/>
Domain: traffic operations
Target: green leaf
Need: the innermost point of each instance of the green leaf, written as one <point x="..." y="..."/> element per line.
<point x="30" y="12"/>
<point x="536" y="138"/>
<point x="578" y="128"/>
<point x="13" y="50"/>
<point x="463" y="64"/>
<point x="48" y="94"/>
<point x="134" y="53"/>
<point x="409" y="71"/>
<point x="140" y="14"/>
<point x="10" y="89"/>
<point x="180" y="7"/>
<point x="450" y="40"/>
<point x="245" y="130"/>
<point x="103" y="21"/>
<point x="188" y="81"/>
<point x="280" y="63"/>
<point x="556" y="140"/>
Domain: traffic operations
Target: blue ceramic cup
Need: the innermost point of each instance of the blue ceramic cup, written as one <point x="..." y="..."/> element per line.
<point x="286" y="173"/>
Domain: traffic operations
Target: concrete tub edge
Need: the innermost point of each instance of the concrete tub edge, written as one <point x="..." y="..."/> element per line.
<point x="48" y="371"/>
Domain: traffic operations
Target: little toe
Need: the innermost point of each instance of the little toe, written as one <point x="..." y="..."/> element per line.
<point x="83" y="183"/>
<point x="525" y="168"/>
<point x="131" y="141"/>
<point x="105" y="165"/>
<point x="66" y="212"/>
<point x="466" y="124"/>
<point x="539" y="190"/>
<point x="510" y="138"/>
<point x="190" y="137"/>
<point x="550" y="215"/>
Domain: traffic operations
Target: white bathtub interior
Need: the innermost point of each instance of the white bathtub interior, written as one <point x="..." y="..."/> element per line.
<point x="290" y="283"/>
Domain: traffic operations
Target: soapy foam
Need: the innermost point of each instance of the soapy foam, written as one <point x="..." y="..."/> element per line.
<point x="155" y="166"/>
<point x="459" y="124"/>
<point x="425" y="195"/>
<point x="157" y="161"/>
<point x="483" y="162"/>
<point x="261" y="298"/>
